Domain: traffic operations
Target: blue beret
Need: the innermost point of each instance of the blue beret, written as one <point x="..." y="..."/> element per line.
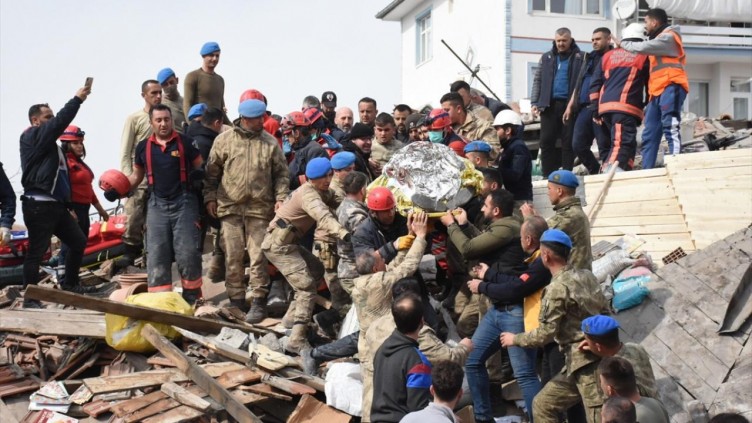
<point x="342" y="160"/>
<point x="558" y="236"/>
<point x="478" y="146"/>
<point x="318" y="168"/>
<point x="209" y="48"/>
<point x="196" y="111"/>
<point x="565" y="178"/>
<point x="599" y="325"/>
<point x="252" y="108"/>
<point x="164" y="75"/>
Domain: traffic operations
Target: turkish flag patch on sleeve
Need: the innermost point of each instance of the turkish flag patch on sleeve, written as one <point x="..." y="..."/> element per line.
<point x="524" y="277"/>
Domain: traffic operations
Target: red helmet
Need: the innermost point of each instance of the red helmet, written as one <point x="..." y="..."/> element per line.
<point x="438" y="119"/>
<point x="313" y="114"/>
<point x="115" y="179"/>
<point x="252" y="95"/>
<point x="292" y="120"/>
<point x="72" y="133"/>
<point x="380" y="199"/>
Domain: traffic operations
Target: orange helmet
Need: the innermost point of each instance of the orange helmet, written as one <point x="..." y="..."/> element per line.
<point x="72" y="133"/>
<point x="380" y="199"/>
<point x="313" y="114"/>
<point x="438" y="119"/>
<point x="252" y="95"/>
<point x="115" y="180"/>
<point x="292" y="120"/>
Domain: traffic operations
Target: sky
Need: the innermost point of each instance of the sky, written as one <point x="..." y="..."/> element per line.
<point x="287" y="49"/>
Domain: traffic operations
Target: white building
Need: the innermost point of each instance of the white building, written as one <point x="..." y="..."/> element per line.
<point x="504" y="39"/>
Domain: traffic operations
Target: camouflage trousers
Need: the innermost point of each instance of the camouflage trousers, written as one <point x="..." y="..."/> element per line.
<point x="241" y="234"/>
<point x="564" y="391"/>
<point x="302" y="270"/>
<point x="135" y="209"/>
<point x="366" y="370"/>
<point x="327" y="254"/>
<point x="466" y="305"/>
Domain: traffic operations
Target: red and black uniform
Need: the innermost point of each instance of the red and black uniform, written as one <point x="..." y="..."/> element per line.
<point x="618" y="91"/>
<point x="82" y="194"/>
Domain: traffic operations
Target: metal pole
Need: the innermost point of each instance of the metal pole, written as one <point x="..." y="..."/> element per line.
<point x="472" y="73"/>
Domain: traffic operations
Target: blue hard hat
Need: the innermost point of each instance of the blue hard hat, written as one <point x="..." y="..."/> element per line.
<point x="318" y="168"/>
<point x="478" y="147"/>
<point x="209" y="48"/>
<point x="342" y="160"/>
<point x="599" y="325"/>
<point x="252" y="108"/>
<point x="565" y="178"/>
<point x="164" y="75"/>
<point x="558" y="236"/>
<point x="196" y="110"/>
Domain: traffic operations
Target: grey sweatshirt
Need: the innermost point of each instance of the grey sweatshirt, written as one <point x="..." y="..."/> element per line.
<point x="663" y="44"/>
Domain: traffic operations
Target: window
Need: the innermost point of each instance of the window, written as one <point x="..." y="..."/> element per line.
<point x="532" y="68"/>
<point x="697" y="100"/>
<point x="569" y="7"/>
<point x="424" y="38"/>
<point x="741" y="95"/>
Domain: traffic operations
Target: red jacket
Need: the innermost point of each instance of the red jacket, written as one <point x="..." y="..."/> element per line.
<point x="81" y="178"/>
<point x="619" y="83"/>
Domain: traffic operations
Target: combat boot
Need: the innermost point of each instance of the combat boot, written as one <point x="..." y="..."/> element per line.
<point x="258" y="311"/>
<point x="216" y="271"/>
<point x="298" y="339"/>
<point x="289" y="318"/>
<point x="240" y="304"/>
<point x="310" y="363"/>
<point x="326" y="321"/>
<point x="192" y="295"/>
<point x="129" y="256"/>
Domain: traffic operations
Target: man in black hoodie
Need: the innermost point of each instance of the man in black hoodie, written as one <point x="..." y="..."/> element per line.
<point x="47" y="191"/>
<point x="554" y="82"/>
<point x="359" y="141"/>
<point x="402" y="374"/>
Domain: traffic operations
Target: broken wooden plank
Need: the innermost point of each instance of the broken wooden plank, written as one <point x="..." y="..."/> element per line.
<point x="181" y="395"/>
<point x="152" y="409"/>
<point x="288" y="386"/>
<point x="134" y="404"/>
<point x="59" y="323"/>
<point x="134" y="311"/>
<point x="266" y="390"/>
<point x="310" y="409"/>
<point x="238" y="377"/>
<point x="104" y="384"/>
<point x="199" y="376"/>
<point x="178" y="414"/>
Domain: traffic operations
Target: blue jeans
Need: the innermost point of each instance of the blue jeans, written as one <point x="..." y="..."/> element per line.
<point x="582" y="139"/>
<point x="173" y="230"/>
<point x="485" y="344"/>
<point x="662" y="117"/>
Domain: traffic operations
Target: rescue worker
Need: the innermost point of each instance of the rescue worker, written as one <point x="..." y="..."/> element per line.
<point x="514" y="162"/>
<point x="205" y="85"/>
<point x="247" y="181"/>
<point x="137" y="128"/>
<point x="372" y="294"/>
<point x="194" y="119"/>
<point x="384" y="144"/>
<point x="320" y="132"/>
<point x="467" y="125"/>
<point x="479" y="110"/>
<point x="440" y="131"/>
<point x="309" y="205"/>
<point x="578" y="111"/>
<point x="572" y="295"/>
<point x="342" y="164"/>
<point x="359" y="142"/>
<point x="668" y="84"/>
<point x="270" y="124"/>
<point x="171" y="97"/>
<point x="350" y="214"/>
<point x="173" y="167"/>
<point x="296" y="130"/>
<point x="617" y="95"/>
<point x="479" y="153"/>
<point x="384" y="229"/>
<point x="413" y="127"/>
<point x="568" y="216"/>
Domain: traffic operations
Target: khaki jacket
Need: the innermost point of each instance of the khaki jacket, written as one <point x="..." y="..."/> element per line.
<point x="137" y="128"/>
<point x="381" y="153"/>
<point x="640" y="360"/>
<point x="478" y="129"/>
<point x="246" y="174"/>
<point x="307" y="207"/>
<point x="571" y="219"/>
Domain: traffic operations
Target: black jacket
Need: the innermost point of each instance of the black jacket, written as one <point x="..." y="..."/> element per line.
<point x="516" y="167"/>
<point x="589" y="62"/>
<point x="371" y="236"/>
<point x="7" y="200"/>
<point x="305" y="151"/>
<point x="543" y="83"/>
<point x="40" y="157"/>
<point x="505" y="288"/>
<point x="495" y="106"/>
<point x="401" y="379"/>
<point x="361" y="158"/>
<point x="203" y="140"/>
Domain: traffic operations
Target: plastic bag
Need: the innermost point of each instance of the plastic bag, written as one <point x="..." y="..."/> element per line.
<point x="611" y="264"/>
<point x="344" y="388"/>
<point x="124" y="333"/>
<point x="630" y="291"/>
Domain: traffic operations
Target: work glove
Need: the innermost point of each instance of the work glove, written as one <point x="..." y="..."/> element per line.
<point x="4" y="236"/>
<point x="405" y="242"/>
<point x="111" y="195"/>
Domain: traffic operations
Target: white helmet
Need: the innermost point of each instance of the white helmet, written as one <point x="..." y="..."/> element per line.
<point x="507" y="117"/>
<point x="634" y="31"/>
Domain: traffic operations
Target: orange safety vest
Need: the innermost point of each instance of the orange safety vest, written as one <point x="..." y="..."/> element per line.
<point x="665" y="70"/>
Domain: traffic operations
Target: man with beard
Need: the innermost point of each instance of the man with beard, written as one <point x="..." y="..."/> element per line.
<point x="515" y="162"/>
<point x="297" y="130"/>
<point x="400" y="114"/>
<point x="171" y="97"/>
<point x="344" y="119"/>
<point x="359" y="142"/>
<point x="554" y="82"/>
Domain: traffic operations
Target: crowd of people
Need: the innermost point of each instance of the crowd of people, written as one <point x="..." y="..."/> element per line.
<point x="287" y="197"/>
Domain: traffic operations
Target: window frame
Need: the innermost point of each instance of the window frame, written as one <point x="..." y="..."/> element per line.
<point x="687" y="102"/>
<point x="604" y="6"/>
<point x="423" y="53"/>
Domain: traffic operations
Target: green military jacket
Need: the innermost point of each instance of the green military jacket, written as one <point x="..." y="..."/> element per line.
<point x="572" y="296"/>
<point x="640" y="361"/>
<point x="474" y="244"/>
<point x="574" y="222"/>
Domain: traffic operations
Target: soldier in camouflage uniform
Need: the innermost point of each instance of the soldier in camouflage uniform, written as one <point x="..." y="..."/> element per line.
<point x="309" y="205"/>
<point x="247" y="180"/>
<point x="602" y="339"/>
<point x="467" y="125"/>
<point x="372" y="294"/>
<point x="569" y="216"/>
<point x="350" y="214"/>
<point x="325" y="248"/>
<point x="572" y="296"/>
